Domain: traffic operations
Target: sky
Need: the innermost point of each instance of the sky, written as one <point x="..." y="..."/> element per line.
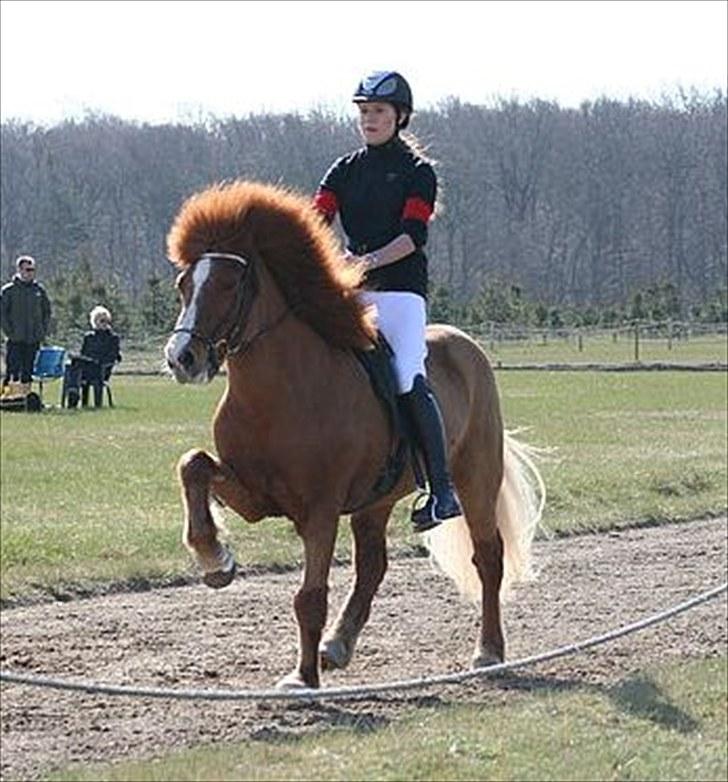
<point x="183" y="61"/>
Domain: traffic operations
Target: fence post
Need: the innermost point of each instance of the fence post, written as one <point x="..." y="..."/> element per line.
<point x="636" y="341"/>
<point x="669" y="334"/>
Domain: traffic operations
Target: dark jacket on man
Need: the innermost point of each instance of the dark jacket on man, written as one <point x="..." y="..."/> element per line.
<point x="25" y="311"/>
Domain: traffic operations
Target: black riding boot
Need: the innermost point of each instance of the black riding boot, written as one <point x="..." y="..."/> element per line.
<point x="424" y="413"/>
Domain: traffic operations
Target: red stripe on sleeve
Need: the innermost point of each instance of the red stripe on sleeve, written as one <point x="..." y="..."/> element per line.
<point x="325" y="201"/>
<point x="416" y="208"/>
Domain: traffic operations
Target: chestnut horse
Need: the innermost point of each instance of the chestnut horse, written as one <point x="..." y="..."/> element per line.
<point x="299" y="431"/>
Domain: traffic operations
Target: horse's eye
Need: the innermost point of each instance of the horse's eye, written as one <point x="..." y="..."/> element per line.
<point x="231" y="282"/>
<point x="182" y="284"/>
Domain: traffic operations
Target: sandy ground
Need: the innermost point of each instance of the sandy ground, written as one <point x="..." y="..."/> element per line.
<point x="244" y="637"/>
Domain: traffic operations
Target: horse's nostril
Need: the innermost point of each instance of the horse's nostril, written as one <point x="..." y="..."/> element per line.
<point x="187" y="359"/>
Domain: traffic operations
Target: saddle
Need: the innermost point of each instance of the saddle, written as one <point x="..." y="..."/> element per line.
<point x="377" y="362"/>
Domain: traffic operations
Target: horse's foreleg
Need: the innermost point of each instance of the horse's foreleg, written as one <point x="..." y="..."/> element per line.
<point x="310" y="602"/>
<point x="226" y="487"/>
<point x="195" y="471"/>
<point x="370" y="561"/>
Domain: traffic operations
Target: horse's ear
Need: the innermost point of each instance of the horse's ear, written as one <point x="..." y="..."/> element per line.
<point x="174" y="270"/>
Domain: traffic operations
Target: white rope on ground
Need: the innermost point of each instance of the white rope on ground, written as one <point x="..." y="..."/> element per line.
<point x="359" y="691"/>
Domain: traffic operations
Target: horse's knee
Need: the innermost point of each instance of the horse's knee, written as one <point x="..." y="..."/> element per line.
<point x="194" y="471"/>
<point x="195" y="466"/>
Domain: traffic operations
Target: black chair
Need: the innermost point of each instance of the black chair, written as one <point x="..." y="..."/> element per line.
<point x="83" y="375"/>
<point x="99" y="386"/>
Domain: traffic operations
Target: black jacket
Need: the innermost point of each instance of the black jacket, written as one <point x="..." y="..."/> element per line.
<point x="381" y="192"/>
<point x="102" y="345"/>
<point x="25" y="310"/>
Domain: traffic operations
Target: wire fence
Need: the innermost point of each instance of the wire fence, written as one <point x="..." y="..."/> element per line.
<point x="636" y="342"/>
<point x="641" y="341"/>
<point x="669" y="331"/>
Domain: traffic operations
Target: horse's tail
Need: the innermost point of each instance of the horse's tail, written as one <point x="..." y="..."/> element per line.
<point x="519" y="508"/>
<point x="518" y="512"/>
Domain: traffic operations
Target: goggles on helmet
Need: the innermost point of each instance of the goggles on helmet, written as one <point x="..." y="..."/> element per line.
<point x="386" y="86"/>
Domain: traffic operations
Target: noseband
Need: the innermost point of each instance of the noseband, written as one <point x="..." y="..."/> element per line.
<point x="246" y="293"/>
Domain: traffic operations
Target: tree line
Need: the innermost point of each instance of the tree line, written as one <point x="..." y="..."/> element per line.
<point x="576" y="209"/>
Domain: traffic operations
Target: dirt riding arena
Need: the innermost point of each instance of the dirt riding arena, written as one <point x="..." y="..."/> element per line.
<point x="244" y="637"/>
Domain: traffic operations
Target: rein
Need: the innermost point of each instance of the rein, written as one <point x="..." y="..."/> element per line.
<point x="241" y="308"/>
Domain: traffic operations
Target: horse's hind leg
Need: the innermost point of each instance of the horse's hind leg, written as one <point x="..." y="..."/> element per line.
<point x="480" y="514"/>
<point x="370" y="561"/>
<point x="195" y="470"/>
<point x="488" y="559"/>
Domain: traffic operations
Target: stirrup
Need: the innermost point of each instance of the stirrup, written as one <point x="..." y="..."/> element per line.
<point x="447" y="504"/>
<point x="436" y="510"/>
<point x="422" y="517"/>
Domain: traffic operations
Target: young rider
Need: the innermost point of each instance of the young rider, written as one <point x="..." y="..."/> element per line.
<point x="385" y="195"/>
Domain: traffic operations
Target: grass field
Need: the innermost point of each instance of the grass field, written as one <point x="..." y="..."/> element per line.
<point x="668" y="723"/>
<point x="91" y="496"/>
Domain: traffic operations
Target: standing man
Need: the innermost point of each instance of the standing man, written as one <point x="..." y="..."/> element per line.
<point x="25" y="313"/>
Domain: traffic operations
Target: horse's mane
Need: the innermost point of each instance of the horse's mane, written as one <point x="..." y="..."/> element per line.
<point x="298" y="248"/>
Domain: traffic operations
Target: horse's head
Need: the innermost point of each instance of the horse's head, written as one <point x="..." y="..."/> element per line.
<point x="216" y="293"/>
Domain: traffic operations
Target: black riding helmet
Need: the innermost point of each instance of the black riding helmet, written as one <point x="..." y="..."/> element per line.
<point x="387" y="87"/>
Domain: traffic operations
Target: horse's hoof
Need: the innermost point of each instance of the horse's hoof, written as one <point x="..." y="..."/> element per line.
<point x="293" y="681"/>
<point x="220" y="578"/>
<point x="486" y="660"/>
<point x="333" y="655"/>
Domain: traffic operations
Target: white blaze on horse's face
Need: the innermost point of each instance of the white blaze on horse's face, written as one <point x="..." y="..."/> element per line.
<point x="186" y="354"/>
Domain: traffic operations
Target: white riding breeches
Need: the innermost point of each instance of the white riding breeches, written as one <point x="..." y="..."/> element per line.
<point x="402" y="318"/>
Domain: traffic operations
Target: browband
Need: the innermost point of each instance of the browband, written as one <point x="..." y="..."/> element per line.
<point x="231" y="256"/>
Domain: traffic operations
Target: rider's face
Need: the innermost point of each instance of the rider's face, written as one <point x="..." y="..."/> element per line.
<point x="377" y="122"/>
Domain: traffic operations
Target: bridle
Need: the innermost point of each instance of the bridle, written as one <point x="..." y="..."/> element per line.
<point x="240" y="310"/>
